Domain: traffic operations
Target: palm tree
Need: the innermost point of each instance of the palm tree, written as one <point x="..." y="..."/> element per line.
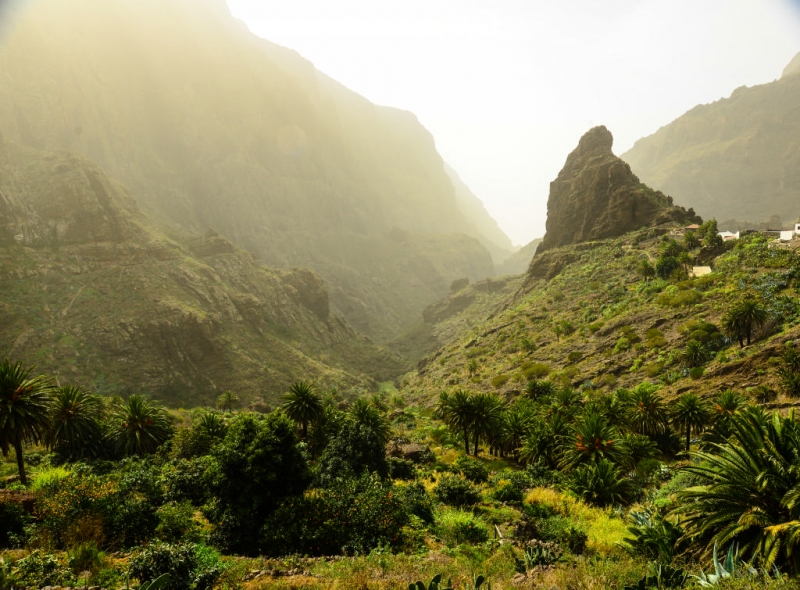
<point x="302" y="404"/>
<point x="139" y="427"/>
<point x="690" y="412"/>
<point x="227" y="400"/>
<point x="646" y="270"/>
<point x="366" y="414"/>
<point x="537" y="389"/>
<point x="456" y="411"/>
<point x="593" y="439"/>
<point x="76" y="428"/>
<point x="213" y="425"/>
<point x="24" y="410"/>
<point x="487" y="410"/>
<point x="691" y="241"/>
<point x="694" y="354"/>
<point x="646" y="414"/>
<point x="516" y="425"/>
<point x="750" y="491"/>
<point x="740" y="320"/>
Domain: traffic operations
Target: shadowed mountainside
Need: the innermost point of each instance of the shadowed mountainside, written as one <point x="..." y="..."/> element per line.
<point x="210" y="126"/>
<point x="736" y="158"/>
<point x="96" y="294"/>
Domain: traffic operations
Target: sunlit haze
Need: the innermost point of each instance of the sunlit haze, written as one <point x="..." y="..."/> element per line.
<point x="507" y="88"/>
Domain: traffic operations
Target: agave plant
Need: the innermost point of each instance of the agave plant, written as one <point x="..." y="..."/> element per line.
<point x="730" y="567"/>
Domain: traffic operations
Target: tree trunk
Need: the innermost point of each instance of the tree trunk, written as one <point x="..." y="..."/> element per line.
<point x="475" y="454"/>
<point x="688" y="437"/>
<point x="23" y="478"/>
<point x="749" y="330"/>
<point x="305" y="430"/>
<point x="466" y="441"/>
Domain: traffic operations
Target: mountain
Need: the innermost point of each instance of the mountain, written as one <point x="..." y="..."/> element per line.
<point x="97" y="294"/>
<point x="520" y="260"/>
<point x="212" y="127"/>
<point x="486" y="230"/>
<point x="735" y="158"/>
<point x="596" y="196"/>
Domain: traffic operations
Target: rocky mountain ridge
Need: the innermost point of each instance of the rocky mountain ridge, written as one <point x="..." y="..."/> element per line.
<point x="736" y="158"/>
<point x="210" y="126"/>
<point x="95" y="293"/>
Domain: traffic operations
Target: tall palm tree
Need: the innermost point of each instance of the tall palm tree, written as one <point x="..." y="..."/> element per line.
<point x="456" y="410"/>
<point x="742" y="318"/>
<point x="227" y="400"/>
<point x="646" y="411"/>
<point x="646" y="270"/>
<point x="76" y="429"/>
<point x="516" y="425"/>
<point x="487" y="409"/>
<point x="139" y="427"/>
<point x="690" y="412"/>
<point x="366" y="414"/>
<point x="302" y="404"/>
<point x="691" y="240"/>
<point x="24" y="410"/>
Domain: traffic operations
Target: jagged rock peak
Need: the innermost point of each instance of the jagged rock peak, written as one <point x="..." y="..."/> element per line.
<point x="597" y="196"/>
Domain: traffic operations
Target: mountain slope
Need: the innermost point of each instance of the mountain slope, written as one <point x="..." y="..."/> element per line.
<point x="210" y="126"/>
<point x="736" y="158"/>
<point x="93" y="292"/>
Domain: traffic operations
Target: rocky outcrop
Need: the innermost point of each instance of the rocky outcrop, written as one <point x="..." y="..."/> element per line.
<point x="596" y="196"/>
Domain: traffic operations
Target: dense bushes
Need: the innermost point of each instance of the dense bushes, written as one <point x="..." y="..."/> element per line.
<point x="12" y="522"/>
<point x="190" y="566"/>
<point x="352" y="515"/>
<point x="254" y="468"/>
<point x="455" y="490"/>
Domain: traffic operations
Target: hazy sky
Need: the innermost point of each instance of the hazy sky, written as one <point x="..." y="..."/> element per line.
<point x="507" y="87"/>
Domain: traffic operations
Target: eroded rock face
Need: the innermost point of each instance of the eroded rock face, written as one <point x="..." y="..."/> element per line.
<point x="597" y="196"/>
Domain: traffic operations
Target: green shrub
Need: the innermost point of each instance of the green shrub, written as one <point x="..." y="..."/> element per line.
<point x="655" y="338"/>
<point x="352" y="515"/>
<point x="455" y="490"/>
<point x="191" y="566"/>
<point x="13" y="520"/>
<point x="186" y="480"/>
<point x="176" y="523"/>
<point x="457" y="526"/>
<point x="417" y="501"/>
<point x="622" y="345"/>
<point x="506" y="491"/>
<point x="562" y="530"/>
<point x="536" y="371"/>
<point x="472" y="469"/>
<point x="85" y="557"/>
<point x="499" y="380"/>
<point x="573" y="357"/>
<point x="41" y="569"/>
<point x="696" y="372"/>
<point x="680" y="298"/>
<point x="402" y="469"/>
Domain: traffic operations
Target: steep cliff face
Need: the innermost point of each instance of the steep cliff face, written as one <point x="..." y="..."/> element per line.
<point x="738" y="157"/>
<point x="210" y="126"/>
<point x="596" y="196"/>
<point x="95" y="294"/>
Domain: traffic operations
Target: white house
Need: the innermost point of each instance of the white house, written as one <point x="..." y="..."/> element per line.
<point x="787" y="235"/>
<point x="726" y="235"/>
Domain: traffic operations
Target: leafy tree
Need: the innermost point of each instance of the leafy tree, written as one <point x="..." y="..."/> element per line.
<point x="256" y="466"/>
<point x="139" y="427"/>
<point x="75" y="431"/>
<point x="456" y="411"/>
<point x="25" y="404"/>
<point x="356" y="448"/>
<point x="302" y="404"/>
<point x="740" y="320"/>
<point x="646" y="411"/>
<point x="666" y="265"/>
<point x="227" y="400"/>
<point x="690" y="412"/>
<point x="749" y="492"/>
<point x="671" y="248"/>
<point x="710" y="233"/>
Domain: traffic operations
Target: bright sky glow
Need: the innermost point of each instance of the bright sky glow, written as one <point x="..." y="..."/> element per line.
<point x="508" y="87"/>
